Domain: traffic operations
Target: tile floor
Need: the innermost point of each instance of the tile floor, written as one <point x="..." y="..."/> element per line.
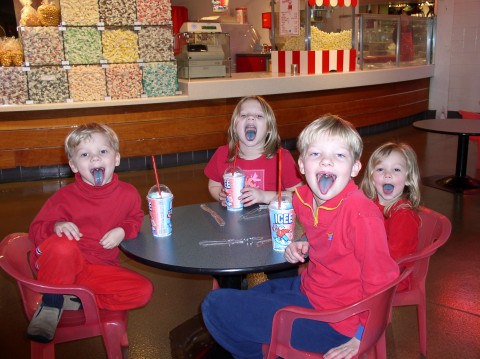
<point x="453" y="292"/>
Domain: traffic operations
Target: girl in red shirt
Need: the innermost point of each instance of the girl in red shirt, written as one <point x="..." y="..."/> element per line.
<point x="392" y="181"/>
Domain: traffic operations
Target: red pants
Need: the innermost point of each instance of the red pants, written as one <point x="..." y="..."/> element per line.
<point x="115" y="287"/>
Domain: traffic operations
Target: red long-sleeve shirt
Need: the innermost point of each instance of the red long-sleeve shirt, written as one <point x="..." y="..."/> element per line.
<point x="401" y="224"/>
<point x="95" y="210"/>
<point x="348" y="255"/>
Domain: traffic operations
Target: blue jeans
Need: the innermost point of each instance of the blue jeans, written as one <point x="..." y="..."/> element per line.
<point x="241" y="320"/>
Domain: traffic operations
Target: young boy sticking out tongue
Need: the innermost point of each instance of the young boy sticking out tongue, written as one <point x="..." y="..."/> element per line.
<point x="78" y="230"/>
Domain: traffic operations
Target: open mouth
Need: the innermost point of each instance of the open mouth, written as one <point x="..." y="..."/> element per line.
<point x="250" y="133"/>
<point x="388" y="188"/>
<point x="325" y="181"/>
<point x="98" y="175"/>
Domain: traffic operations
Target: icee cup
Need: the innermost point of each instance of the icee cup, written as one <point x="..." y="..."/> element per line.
<point x="233" y="182"/>
<point x="282" y="222"/>
<point x="160" y="209"/>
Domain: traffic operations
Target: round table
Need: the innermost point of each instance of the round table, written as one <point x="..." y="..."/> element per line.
<point x="199" y="245"/>
<point x="463" y="128"/>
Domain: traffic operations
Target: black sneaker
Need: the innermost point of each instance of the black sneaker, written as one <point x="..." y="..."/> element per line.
<point x="43" y="324"/>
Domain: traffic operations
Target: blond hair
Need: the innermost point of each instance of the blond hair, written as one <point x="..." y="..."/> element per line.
<point x="272" y="142"/>
<point x="411" y="192"/>
<point x="331" y="125"/>
<point x="85" y="132"/>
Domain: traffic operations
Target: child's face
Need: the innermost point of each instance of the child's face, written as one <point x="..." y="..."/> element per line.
<point x="95" y="160"/>
<point x="251" y="124"/>
<point x="328" y="165"/>
<point x="389" y="177"/>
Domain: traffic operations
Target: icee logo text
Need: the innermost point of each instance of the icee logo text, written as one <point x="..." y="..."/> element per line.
<point x="283" y="218"/>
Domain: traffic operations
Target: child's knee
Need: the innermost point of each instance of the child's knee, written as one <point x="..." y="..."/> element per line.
<point x="58" y="246"/>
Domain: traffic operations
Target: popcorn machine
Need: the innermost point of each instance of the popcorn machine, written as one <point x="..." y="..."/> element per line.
<point x="202" y="50"/>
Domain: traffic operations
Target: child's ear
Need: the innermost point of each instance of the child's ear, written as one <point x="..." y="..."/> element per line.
<point x="117" y="159"/>
<point x="300" y="165"/>
<point x="72" y="166"/>
<point x="357" y="166"/>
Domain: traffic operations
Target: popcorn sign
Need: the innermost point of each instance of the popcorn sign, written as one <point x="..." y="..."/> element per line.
<point x="315" y="62"/>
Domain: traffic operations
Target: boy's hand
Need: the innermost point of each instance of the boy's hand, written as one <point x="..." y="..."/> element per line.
<point x="344" y="351"/>
<point x="112" y="238"/>
<point x="68" y="229"/>
<point x="296" y="251"/>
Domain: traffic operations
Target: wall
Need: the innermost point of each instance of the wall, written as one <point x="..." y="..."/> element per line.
<point x="456" y="82"/>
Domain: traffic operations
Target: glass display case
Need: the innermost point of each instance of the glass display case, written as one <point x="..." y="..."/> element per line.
<point x="394" y="40"/>
<point x="368" y="41"/>
<point x="203" y="54"/>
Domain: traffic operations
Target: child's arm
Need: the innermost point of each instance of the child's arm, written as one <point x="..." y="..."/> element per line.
<point x="217" y="191"/>
<point x="252" y="195"/>
<point x="402" y="232"/>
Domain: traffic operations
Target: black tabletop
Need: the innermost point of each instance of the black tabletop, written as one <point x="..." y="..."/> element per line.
<point x="450" y="126"/>
<point x="199" y="244"/>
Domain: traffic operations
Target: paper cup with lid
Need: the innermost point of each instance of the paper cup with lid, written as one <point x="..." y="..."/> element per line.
<point x="234" y="182"/>
<point x="160" y="209"/>
<point x="282" y="222"/>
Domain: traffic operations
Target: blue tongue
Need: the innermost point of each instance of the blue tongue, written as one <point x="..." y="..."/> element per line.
<point x="326" y="182"/>
<point x="250" y="134"/>
<point x="388" y="188"/>
<point x="98" y="176"/>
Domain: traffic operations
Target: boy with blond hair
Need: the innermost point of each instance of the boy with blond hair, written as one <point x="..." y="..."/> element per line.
<point x="347" y="249"/>
<point x="78" y="230"/>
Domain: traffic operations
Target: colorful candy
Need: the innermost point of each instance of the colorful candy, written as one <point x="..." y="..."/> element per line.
<point x="42" y="45"/>
<point x="124" y="81"/>
<point x="155" y="43"/>
<point x="154" y="12"/>
<point x="87" y="83"/>
<point x="83" y="45"/>
<point x="117" y="12"/>
<point x="120" y="45"/>
<point x="75" y="12"/>
<point x="13" y="86"/>
<point x="47" y="84"/>
<point x="160" y="79"/>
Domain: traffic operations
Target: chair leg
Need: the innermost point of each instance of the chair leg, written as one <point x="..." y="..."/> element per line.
<point x="478" y="154"/>
<point x="422" y="327"/>
<point x="115" y="339"/>
<point x="381" y="348"/>
<point x="42" y="351"/>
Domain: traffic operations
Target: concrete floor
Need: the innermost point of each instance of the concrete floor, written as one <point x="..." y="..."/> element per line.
<point x="453" y="292"/>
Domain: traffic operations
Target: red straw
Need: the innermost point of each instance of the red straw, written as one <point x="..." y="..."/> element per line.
<point x="235" y="159"/>
<point x="156" y="175"/>
<point x="279" y="177"/>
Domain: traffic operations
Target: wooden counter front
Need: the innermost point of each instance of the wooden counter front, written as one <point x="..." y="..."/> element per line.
<point x="34" y="136"/>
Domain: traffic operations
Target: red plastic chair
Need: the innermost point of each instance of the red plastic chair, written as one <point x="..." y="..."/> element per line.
<point x="74" y="325"/>
<point x="468" y="115"/>
<point x="378" y="306"/>
<point x="434" y="231"/>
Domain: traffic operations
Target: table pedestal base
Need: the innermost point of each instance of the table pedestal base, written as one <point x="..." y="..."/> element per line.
<point x="465" y="185"/>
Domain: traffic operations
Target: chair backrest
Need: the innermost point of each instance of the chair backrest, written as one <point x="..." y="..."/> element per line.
<point x="14" y="252"/>
<point x="378" y="306"/>
<point x="434" y="231"/>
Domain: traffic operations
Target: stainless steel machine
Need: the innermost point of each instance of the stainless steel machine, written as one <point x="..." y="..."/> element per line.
<point x="202" y="50"/>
